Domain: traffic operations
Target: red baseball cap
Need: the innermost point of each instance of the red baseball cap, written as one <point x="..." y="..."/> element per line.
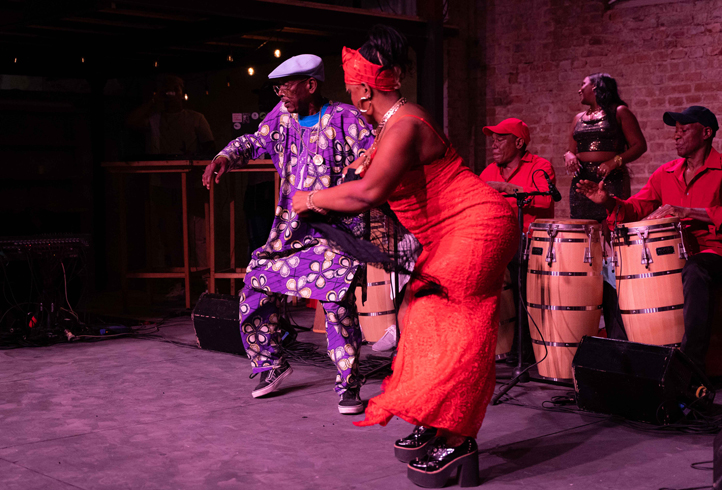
<point x="514" y="126"/>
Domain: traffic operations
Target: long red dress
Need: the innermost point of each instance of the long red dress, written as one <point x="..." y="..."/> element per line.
<point x="444" y="372"/>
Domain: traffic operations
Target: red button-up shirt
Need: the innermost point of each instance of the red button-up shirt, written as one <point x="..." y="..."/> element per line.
<point x="667" y="186"/>
<point x="524" y="176"/>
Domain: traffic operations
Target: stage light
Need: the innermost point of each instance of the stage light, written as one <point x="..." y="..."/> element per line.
<point x="277" y="53"/>
<point x="251" y="71"/>
<point x="185" y="96"/>
<point x="16" y="60"/>
<point x="155" y="64"/>
<point x="82" y="60"/>
<point x="230" y="58"/>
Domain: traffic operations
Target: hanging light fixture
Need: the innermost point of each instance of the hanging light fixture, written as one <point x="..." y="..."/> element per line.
<point x="251" y="71"/>
<point x="277" y="53"/>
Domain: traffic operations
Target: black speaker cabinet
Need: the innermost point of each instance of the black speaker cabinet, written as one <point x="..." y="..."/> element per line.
<point x="648" y="383"/>
<point x="216" y="321"/>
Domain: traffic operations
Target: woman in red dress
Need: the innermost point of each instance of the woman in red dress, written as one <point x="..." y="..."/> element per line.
<point x="443" y="376"/>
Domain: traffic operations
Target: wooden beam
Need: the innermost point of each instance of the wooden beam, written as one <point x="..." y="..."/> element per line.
<point x="293" y="13"/>
<point x="114" y="23"/>
<point x="99" y="32"/>
<point x="151" y="15"/>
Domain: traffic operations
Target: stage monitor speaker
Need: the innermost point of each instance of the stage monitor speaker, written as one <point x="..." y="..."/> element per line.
<point x="215" y="319"/>
<point x="648" y="383"/>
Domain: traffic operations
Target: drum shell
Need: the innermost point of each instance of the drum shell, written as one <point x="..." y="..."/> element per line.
<point x="657" y="285"/>
<point x="319" y="320"/>
<point x="377" y="313"/>
<point x="564" y="298"/>
<point x="507" y="319"/>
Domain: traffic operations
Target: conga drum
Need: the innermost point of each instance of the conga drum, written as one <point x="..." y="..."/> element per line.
<point x="319" y="320"/>
<point x="507" y="319"/>
<point x="649" y="257"/>
<point x="563" y="291"/>
<point x="377" y="313"/>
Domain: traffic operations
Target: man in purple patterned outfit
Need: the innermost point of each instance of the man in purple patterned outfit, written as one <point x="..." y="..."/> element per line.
<point x="310" y="140"/>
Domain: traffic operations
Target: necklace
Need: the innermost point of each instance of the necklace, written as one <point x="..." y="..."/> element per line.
<point x="598" y="112"/>
<point x="388" y="115"/>
<point x="379" y="132"/>
<point x="315" y="157"/>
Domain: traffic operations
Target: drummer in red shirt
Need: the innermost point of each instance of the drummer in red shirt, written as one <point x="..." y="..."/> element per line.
<point x="688" y="188"/>
<point x="515" y="169"/>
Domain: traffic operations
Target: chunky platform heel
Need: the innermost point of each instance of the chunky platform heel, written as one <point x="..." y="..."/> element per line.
<point x="415" y="445"/>
<point x="435" y="469"/>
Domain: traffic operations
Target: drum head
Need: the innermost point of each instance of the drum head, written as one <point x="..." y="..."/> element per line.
<point x="568" y="225"/>
<point x="567" y="221"/>
<point x="650" y="222"/>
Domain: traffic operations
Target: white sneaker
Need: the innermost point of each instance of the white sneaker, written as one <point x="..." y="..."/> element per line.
<point x="350" y="402"/>
<point x="387" y="340"/>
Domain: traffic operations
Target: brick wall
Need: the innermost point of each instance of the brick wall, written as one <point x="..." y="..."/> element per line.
<point x="527" y="58"/>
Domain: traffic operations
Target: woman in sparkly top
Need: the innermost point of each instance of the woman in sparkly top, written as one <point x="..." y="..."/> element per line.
<point x="603" y="138"/>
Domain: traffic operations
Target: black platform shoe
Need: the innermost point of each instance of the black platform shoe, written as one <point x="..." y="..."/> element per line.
<point x="415" y="444"/>
<point x="434" y="469"/>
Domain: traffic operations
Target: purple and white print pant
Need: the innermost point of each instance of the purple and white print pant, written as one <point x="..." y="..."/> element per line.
<point x="259" y="315"/>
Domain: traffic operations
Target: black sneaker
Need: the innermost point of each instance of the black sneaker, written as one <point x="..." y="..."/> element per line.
<point x="271" y="380"/>
<point x="350" y="402"/>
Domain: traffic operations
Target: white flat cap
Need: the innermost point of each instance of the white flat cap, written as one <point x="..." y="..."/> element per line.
<point x="303" y="64"/>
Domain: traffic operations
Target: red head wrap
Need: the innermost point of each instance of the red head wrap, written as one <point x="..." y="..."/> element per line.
<point x="358" y="70"/>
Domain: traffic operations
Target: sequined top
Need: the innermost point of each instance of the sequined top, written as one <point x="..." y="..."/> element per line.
<point x="598" y="135"/>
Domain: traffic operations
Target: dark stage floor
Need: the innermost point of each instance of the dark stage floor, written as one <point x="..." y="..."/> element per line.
<point x="133" y="413"/>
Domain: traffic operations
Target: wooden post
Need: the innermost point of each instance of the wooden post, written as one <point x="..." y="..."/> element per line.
<point x="212" y="237"/>
<point x="149" y="259"/>
<point x="186" y="259"/>
<point x="207" y="214"/>
<point x="430" y="59"/>
<point x="123" y="232"/>
<point x="233" y="236"/>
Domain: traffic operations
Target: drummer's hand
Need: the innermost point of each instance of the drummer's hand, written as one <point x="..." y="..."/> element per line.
<point x="299" y="203"/>
<point x="595" y="192"/>
<point x="504" y="187"/>
<point x="571" y="162"/>
<point x="218" y="166"/>
<point x="668" y="210"/>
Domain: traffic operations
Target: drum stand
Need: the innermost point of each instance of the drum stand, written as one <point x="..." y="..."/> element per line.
<point x="520" y="373"/>
<point x="387" y="362"/>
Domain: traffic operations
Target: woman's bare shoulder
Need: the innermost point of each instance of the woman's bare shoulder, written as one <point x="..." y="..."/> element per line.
<point x="623" y="111"/>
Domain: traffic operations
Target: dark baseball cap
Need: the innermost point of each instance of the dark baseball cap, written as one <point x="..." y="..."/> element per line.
<point x="692" y="114"/>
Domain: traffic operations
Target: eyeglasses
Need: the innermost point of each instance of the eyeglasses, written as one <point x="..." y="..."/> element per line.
<point x="287" y="86"/>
